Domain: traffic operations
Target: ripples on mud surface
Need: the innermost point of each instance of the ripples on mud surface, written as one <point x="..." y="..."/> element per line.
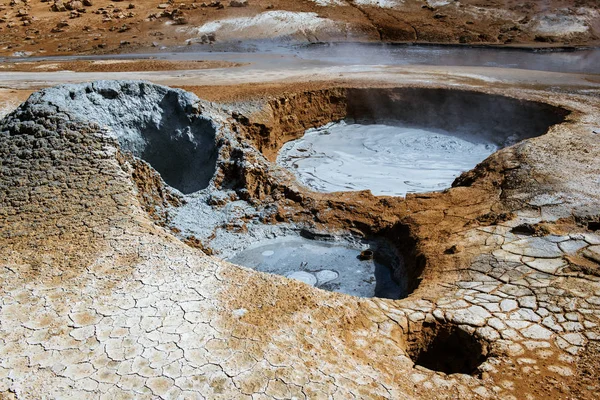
<point x="389" y="160"/>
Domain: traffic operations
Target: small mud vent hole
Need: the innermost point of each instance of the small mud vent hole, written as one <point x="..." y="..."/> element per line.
<point x="593" y="226"/>
<point x="447" y="349"/>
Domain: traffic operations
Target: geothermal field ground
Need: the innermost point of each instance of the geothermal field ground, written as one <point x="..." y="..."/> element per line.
<point x="317" y="199"/>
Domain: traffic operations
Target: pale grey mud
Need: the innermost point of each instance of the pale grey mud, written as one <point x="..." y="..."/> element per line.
<point x="334" y="265"/>
<point x="389" y="160"/>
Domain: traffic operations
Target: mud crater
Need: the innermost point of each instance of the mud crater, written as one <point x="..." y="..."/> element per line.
<point x="252" y="208"/>
<point x="332" y="263"/>
<point x="159" y="125"/>
<point x="236" y="197"/>
<point x="399" y="141"/>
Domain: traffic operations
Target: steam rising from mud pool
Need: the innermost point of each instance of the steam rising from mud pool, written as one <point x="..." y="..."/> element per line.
<point x="389" y="160"/>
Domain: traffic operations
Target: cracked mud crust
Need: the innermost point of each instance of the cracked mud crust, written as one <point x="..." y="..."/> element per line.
<point x="98" y="300"/>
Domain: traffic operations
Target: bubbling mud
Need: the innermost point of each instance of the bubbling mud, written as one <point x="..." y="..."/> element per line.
<point x="329" y="265"/>
<point x="386" y="159"/>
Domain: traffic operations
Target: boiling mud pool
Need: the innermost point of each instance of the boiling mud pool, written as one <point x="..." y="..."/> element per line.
<point x="389" y="160"/>
<point x="329" y="266"/>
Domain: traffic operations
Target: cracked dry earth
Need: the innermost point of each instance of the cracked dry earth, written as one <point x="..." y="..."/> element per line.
<point x="101" y="299"/>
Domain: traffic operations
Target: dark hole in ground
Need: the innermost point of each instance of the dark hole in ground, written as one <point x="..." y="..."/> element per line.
<point x="530" y="230"/>
<point x="593" y="225"/>
<point x="524" y="229"/>
<point x="160" y="125"/>
<point x="448" y="349"/>
<point x="397" y="245"/>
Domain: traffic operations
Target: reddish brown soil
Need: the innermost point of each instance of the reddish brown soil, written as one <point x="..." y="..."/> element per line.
<point x="113" y="65"/>
<point x="117" y="27"/>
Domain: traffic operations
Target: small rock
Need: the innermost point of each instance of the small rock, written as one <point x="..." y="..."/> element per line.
<point x="457" y="248"/>
<point x="536" y="332"/>
<point x="58" y="6"/>
<point x="509" y="305"/>
<point x="74" y="5"/>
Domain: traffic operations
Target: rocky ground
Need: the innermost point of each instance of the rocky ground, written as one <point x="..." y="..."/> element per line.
<point x="34" y="27"/>
<point x="113" y="65"/>
<point x="101" y="297"/>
